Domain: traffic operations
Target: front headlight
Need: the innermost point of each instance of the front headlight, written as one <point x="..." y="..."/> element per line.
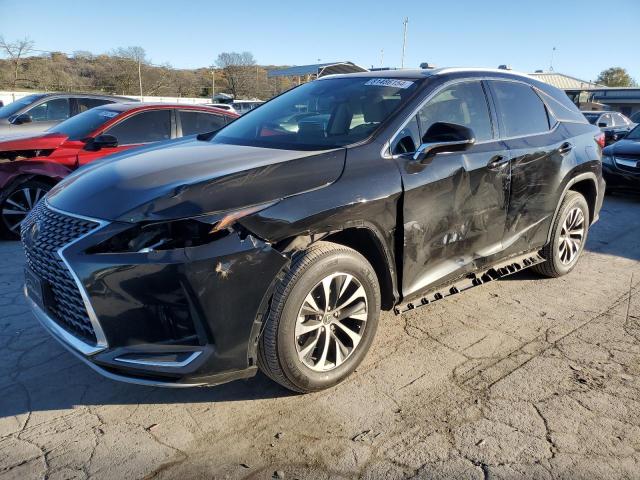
<point x="608" y="159"/>
<point x="190" y="232"/>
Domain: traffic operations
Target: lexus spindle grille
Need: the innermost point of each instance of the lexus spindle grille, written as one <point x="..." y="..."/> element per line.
<point x="54" y="231"/>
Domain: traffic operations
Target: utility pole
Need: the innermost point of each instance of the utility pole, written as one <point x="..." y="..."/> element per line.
<point x="551" y="63"/>
<point x="382" y="57"/>
<point x="213" y="83"/>
<point x="404" y="40"/>
<point x="140" y="76"/>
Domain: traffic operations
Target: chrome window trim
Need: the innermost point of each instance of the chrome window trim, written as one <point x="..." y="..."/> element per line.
<point x="101" y="339"/>
<point x="153" y="363"/>
<point x="386" y="153"/>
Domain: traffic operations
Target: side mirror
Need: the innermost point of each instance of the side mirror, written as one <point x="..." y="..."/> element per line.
<point x="444" y="138"/>
<point x="22" y="118"/>
<point x="103" y="141"/>
<point x="602" y="125"/>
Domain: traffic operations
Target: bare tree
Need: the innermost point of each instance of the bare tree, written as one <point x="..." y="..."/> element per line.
<point x="132" y="60"/>
<point x="239" y="71"/>
<point x="16" y="51"/>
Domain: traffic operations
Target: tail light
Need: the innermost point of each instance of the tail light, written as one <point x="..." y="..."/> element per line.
<point x="600" y="139"/>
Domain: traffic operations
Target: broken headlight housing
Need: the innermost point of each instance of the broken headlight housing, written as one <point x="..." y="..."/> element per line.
<point x="168" y="235"/>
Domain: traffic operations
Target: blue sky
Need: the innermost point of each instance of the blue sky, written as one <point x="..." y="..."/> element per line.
<point x="589" y="35"/>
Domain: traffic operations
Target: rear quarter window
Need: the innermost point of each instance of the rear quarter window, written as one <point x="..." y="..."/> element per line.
<point x="563" y="109"/>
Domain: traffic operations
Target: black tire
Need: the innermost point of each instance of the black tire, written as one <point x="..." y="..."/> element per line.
<point x="277" y="354"/>
<point x="8" y="221"/>
<point x="554" y="266"/>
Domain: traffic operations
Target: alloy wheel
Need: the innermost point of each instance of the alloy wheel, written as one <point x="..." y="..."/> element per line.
<point x="331" y="322"/>
<point x="18" y="205"/>
<point x="571" y="236"/>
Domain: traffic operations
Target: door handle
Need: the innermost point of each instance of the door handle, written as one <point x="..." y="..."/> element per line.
<point x="565" y="148"/>
<point x="497" y="162"/>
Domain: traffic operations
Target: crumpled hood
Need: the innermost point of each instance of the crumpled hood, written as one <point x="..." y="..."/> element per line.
<point x="188" y="177"/>
<point x="44" y="141"/>
<point x="623" y="147"/>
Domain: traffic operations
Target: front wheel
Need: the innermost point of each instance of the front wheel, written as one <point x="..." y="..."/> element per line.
<point x="568" y="237"/>
<point x="17" y="204"/>
<point x="322" y="320"/>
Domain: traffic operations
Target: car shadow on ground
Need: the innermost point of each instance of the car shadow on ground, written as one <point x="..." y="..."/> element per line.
<point x="55" y="389"/>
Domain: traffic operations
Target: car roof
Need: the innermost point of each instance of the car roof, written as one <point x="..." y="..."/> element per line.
<point x="126" y="106"/>
<point x="86" y="95"/>
<point x="433" y="72"/>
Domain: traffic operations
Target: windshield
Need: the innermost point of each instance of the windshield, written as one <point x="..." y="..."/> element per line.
<point x="15" y="107"/>
<point x="633" y="134"/>
<point x="80" y="126"/>
<point x="592" y="117"/>
<point x="321" y="115"/>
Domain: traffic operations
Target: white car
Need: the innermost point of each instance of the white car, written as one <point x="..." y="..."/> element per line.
<point x="223" y="106"/>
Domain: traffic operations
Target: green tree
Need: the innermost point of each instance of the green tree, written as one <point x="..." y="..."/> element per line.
<point x="616" y="77"/>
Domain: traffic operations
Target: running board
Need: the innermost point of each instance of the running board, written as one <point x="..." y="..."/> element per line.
<point x="499" y="270"/>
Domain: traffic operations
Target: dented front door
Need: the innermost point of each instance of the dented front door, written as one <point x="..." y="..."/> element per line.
<point x="454" y="206"/>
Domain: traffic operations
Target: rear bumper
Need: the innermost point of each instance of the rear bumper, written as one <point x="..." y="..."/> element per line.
<point x="181" y="318"/>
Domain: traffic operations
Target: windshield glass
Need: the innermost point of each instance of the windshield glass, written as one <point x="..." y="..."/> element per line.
<point x="633" y="134"/>
<point x="14" y="107"/>
<point x="80" y="126"/>
<point x="592" y="117"/>
<point x="321" y="115"/>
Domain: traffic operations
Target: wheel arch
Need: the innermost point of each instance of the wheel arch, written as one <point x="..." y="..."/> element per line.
<point x="366" y="241"/>
<point x="587" y="185"/>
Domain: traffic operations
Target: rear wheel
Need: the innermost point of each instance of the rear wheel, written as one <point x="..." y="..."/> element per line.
<point x="568" y="237"/>
<point x="17" y="204"/>
<point x="322" y="320"/>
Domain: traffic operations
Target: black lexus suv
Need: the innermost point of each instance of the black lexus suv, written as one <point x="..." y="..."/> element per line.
<point x="275" y="242"/>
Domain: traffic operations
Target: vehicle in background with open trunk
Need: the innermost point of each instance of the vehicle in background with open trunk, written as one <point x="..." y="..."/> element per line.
<point x="38" y="162"/>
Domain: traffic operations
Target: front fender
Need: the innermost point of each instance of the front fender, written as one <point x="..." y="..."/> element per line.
<point x="11" y="171"/>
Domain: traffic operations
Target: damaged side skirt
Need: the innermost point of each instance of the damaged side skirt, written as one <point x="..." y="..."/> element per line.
<point x="499" y="270"/>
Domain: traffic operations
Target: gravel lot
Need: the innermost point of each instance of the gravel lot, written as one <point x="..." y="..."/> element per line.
<point x="521" y="378"/>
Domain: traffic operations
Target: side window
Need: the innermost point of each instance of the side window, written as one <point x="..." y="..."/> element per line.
<point x="85" y="104"/>
<point x="408" y="139"/>
<point x="51" y="110"/>
<point x="200" y="122"/>
<point x="464" y="104"/>
<point x="520" y="109"/>
<point x="144" y="127"/>
<point x="618" y="120"/>
<point x="605" y="120"/>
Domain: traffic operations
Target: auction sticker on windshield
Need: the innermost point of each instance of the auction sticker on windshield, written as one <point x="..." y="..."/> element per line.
<point x="389" y="82"/>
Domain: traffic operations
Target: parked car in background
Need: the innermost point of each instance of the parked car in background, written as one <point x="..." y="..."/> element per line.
<point x="275" y="245"/>
<point x="621" y="163"/>
<point x="223" y="106"/>
<point x="40" y="161"/>
<point x="244" y="106"/>
<point x="614" y="125"/>
<point x="41" y="111"/>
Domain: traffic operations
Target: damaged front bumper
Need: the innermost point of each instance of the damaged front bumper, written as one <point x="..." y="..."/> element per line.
<point x="176" y="318"/>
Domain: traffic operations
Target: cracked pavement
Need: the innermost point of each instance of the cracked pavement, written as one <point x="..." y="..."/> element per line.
<point x="520" y="378"/>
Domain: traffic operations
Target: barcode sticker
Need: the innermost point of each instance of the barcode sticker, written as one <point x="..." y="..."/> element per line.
<point x="389" y="82"/>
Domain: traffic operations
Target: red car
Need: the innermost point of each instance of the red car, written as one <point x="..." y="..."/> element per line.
<point x="34" y="164"/>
